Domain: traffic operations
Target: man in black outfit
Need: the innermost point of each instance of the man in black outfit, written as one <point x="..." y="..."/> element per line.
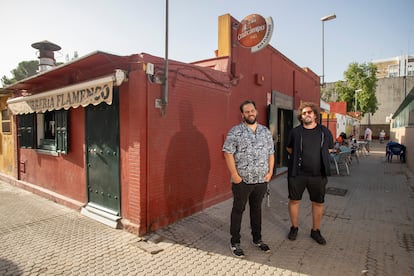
<point x="308" y="145"/>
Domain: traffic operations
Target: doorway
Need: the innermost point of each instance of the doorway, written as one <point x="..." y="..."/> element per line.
<point x="284" y="125"/>
<point x="102" y="156"/>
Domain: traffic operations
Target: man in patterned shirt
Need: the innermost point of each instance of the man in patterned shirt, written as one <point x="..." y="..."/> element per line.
<point x="249" y="154"/>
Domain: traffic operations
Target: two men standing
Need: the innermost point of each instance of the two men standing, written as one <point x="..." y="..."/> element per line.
<point x="249" y="155"/>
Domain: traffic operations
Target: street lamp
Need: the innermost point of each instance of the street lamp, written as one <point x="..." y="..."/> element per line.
<point x="355" y="110"/>
<point x="355" y="99"/>
<point x="323" y="19"/>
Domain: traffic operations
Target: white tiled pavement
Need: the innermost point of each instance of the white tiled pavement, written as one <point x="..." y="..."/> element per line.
<point x="369" y="231"/>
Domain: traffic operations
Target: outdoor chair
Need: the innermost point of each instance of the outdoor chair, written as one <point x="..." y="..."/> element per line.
<point x="394" y="148"/>
<point x="340" y="161"/>
<point x="362" y="148"/>
<point x="347" y="149"/>
<point x="354" y="154"/>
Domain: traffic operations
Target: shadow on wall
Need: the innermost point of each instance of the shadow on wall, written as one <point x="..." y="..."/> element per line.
<point x="187" y="167"/>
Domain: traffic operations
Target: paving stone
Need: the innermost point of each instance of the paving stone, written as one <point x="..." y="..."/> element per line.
<point x="369" y="230"/>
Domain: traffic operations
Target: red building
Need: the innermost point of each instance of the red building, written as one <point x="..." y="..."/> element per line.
<point x="102" y="134"/>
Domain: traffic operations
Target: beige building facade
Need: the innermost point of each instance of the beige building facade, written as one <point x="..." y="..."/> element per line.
<point x="7" y="140"/>
<point x="390" y="93"/>
<point x="400" y="66"/>
<point x="395" y="80"/>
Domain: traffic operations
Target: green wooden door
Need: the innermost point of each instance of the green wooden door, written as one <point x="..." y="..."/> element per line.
<point x="102" y="154"/>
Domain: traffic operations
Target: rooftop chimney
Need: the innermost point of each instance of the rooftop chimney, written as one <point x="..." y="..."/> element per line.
<point x="46" y="55"/>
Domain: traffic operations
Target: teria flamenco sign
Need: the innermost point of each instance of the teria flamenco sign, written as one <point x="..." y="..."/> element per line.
<point x="255" y="32"/>
<point x="75" y="98"/>
<point x="92" y="92"/>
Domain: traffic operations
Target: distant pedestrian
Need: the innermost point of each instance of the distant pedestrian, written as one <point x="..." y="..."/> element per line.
<point x="309" y="146"/>
<point x="382" y="136"/>
<point x="368" y="138"/>
<point x="249" y="153"/>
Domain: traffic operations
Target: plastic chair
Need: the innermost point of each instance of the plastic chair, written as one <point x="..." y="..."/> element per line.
<point x="346" y="149"/>
<point x="394" y="148"/>
<point x="340" y="161"/>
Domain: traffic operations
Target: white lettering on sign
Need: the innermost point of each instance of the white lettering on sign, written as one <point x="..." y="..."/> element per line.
<point x="251" y="31"/>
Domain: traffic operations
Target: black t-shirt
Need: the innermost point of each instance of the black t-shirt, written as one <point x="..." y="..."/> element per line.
<point x="323" y="144"/>
<point x="311" y="152"/>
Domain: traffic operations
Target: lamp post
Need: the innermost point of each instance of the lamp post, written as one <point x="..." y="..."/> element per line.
<point x="355" y="110"/>
<point x="323" y="19"/>
<point x="355" y="99"/>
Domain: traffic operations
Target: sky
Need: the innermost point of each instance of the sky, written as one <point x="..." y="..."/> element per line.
<point x="363" y="31"/>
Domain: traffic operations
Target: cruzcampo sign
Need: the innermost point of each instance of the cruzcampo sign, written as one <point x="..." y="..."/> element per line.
<point x="255" y="32"/>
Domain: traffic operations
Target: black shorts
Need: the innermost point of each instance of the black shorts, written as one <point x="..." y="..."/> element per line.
<point x="314" y="184"/>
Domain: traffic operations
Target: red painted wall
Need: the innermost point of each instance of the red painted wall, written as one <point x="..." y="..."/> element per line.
<point x="172" y="165"/>
<point x="134" y="151"/>
<point x="185" y="167"/>
<point x="64" y="174"/>
<point x="338" y="107"/>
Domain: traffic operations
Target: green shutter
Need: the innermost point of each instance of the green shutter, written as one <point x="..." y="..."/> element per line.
<point x="26" y="130"/>
<point x="61" y="117"/>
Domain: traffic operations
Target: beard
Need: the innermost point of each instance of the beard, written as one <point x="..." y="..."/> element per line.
<point x="308" y="120"/>
<point x="250" y="120"/>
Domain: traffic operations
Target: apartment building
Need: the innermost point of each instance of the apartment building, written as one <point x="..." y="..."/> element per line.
<point x="400" y="66"/>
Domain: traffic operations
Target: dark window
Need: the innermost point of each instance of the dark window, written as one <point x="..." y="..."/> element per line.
<point x="47" y="131"/>
<point x="61" y="117"/>
<point x="26" y="130"/>
<point x="52" y="133"/>
<point x="5" y="121"/>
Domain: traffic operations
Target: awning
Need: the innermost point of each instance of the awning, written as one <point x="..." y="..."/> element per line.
<point x="82" y="94"/>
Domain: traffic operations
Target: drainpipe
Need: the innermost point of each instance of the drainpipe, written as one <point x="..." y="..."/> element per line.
<point x="147" y="162"/>
<point x="164" y="97"/>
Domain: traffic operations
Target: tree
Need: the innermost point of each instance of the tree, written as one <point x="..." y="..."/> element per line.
<point x="24" y="70"/>
<point x="358" y="89"/>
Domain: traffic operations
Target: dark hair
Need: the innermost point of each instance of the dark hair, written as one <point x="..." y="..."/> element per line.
<point x="246" y="102"/>
<point x="314" y="108"/>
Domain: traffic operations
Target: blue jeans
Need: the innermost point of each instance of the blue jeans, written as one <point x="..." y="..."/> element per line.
<point x="254" y="193"/>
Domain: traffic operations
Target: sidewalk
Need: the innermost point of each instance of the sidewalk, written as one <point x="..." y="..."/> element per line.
<point x="369" y="231"/>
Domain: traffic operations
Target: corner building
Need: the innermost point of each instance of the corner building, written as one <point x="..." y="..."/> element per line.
<point x="102" y="135"/>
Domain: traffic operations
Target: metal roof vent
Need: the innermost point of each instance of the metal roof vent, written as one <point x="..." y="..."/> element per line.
<point x="46" y="55"/>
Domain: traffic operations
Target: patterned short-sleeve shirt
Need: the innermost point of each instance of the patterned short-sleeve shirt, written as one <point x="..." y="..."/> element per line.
<point x="251" y="151"/>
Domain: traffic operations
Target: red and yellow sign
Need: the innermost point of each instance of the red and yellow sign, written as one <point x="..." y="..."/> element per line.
<point x="255" y="32"/>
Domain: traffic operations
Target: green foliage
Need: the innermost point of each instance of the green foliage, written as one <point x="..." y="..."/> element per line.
<point x="24" y="70"/>
<point x="358" y="89"/>
<point x="6" y="81"/>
